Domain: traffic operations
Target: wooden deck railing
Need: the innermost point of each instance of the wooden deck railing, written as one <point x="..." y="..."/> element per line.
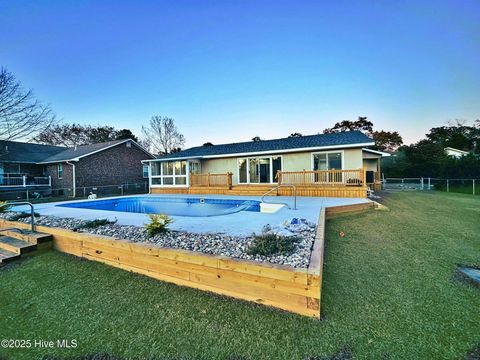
<point x="322" y="177"/>
<point x="211" y="180"/>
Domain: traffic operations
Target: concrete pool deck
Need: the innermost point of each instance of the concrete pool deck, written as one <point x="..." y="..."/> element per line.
<point x="242" y="223"/>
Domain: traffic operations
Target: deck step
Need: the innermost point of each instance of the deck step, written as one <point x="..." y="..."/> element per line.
<point x="6" y="256"/>
<point x="16" y="246"/>
<point x="27" y="235"/>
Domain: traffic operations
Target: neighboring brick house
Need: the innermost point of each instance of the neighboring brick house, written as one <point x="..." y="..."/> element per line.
<point x="109" y="163"/>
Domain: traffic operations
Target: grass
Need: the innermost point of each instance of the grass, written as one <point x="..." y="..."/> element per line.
<point x="388" y="293"/>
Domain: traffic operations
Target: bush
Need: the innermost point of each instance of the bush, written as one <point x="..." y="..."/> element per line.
<point x="271" y="244"/>
<point x="4" y="206"/>
<point x="158" y="224"/>
<point x="90" y="224"/>
<point x="22" y="215"/>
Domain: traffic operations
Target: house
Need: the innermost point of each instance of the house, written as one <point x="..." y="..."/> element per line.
<point x="43" y="167"/>
<point x="456" y="153"/>
<point x="317" y="165"/>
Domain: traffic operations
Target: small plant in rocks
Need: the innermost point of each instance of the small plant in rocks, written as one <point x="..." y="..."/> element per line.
<point x="21" y="215"/>
<point x="91" y="224"/>
<point x="4" y="206"/>
<point x="158" y="224"/>
<point x="272" y="244"/>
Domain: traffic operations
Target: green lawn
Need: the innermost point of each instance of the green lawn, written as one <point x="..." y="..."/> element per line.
<point x="388" y="293"/>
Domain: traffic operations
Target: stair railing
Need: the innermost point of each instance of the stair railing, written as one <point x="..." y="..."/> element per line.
<point x="278" y="187"/>
<point x="32" y="210"/>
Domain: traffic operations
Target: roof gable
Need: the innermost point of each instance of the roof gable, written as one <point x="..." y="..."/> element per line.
<point x="13" y="151"/>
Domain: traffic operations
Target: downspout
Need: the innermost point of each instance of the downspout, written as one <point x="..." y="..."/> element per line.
<point x="74" y="187"/>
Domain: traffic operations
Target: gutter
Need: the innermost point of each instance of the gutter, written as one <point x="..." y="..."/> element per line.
<point x="74" y="186"/>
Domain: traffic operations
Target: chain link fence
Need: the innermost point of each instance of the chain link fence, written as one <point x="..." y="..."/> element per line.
<point x="462" y="186"/>
<point x="45" y="194"/>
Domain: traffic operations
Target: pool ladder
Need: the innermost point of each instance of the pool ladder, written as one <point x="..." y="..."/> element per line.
<point x="278" y="187"/>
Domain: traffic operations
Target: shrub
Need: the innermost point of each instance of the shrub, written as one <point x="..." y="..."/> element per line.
<point x="4" y="206"/>
<point x="90" y="224"/>
<point x="271" y="244"/>
<point x="22" y="215"/>
<point x="158" y="224"/>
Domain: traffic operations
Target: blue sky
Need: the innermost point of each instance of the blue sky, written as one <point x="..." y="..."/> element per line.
<point x="230" y="70"/>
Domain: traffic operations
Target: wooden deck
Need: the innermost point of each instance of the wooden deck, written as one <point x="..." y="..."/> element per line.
<point x="319" y="183"/>
<point x="259" y="190"/>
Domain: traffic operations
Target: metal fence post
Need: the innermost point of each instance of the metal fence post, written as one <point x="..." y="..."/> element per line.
<point x="429" y="186"/>
<point x="27" y="196"/>
<point x="473" y="185"/>
<point x="421" y="183"/>
<point x="448" y="187"/>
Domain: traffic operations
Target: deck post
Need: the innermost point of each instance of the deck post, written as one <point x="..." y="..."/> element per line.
<point x="208" y="179"/>
<point x="473" y="186"/>
<point x="448" y="187"/>
<point x="50" y="181"/>
<point x="229" y="180"/>
<point x="429" y="186"/>
<point x="24" y="178"/>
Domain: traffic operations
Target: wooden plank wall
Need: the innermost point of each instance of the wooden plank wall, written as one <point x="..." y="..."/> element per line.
<point x="310" y="191"/>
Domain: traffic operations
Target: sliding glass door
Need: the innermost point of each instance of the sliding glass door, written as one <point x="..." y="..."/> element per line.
<point x="261" y="170"/>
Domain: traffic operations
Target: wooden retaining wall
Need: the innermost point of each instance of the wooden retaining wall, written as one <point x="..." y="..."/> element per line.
<point x="283" y="287"/>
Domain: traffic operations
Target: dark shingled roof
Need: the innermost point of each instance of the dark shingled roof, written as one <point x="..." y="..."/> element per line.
<point x="13" y="151"/>
<point x="73" y="153"/>
<point x="309" y="141"/>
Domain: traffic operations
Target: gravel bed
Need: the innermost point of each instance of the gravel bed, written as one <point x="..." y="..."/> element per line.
<point x="218" y="244"/>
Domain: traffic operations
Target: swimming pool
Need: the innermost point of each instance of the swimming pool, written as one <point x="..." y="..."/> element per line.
<point x="194" y="207"/>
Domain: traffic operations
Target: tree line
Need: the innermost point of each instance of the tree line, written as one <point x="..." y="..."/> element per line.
<point x="22" y="116"/>
<point x="427" y="157"/>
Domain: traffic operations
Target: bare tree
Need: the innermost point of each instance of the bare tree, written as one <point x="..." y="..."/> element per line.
<point x="71" y="135"/>
<point x="21" y="115"/>
<point x="163" y="135"/>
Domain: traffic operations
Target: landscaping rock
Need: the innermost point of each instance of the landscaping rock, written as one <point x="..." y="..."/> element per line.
<point x="217" y="244"/>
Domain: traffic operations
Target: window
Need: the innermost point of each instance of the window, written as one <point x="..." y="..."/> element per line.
<point x="195" y="167"/>
<point x="261" y="170"/>
<point x="60" y="170"/>
<point x="169" y="173"/>
<point x="145" y="171"/>
<point x="327" y="161"/>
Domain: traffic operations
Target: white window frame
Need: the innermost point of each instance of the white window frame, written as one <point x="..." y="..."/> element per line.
<point x="143" y="171"/>
<point x="327" y="152"/>
<point x="272" y="177"/>
<point x="175" y="176"/>
<point x="59" y="166"/>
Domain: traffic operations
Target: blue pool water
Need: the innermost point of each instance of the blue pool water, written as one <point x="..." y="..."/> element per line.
<point x="169" y="206"/>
